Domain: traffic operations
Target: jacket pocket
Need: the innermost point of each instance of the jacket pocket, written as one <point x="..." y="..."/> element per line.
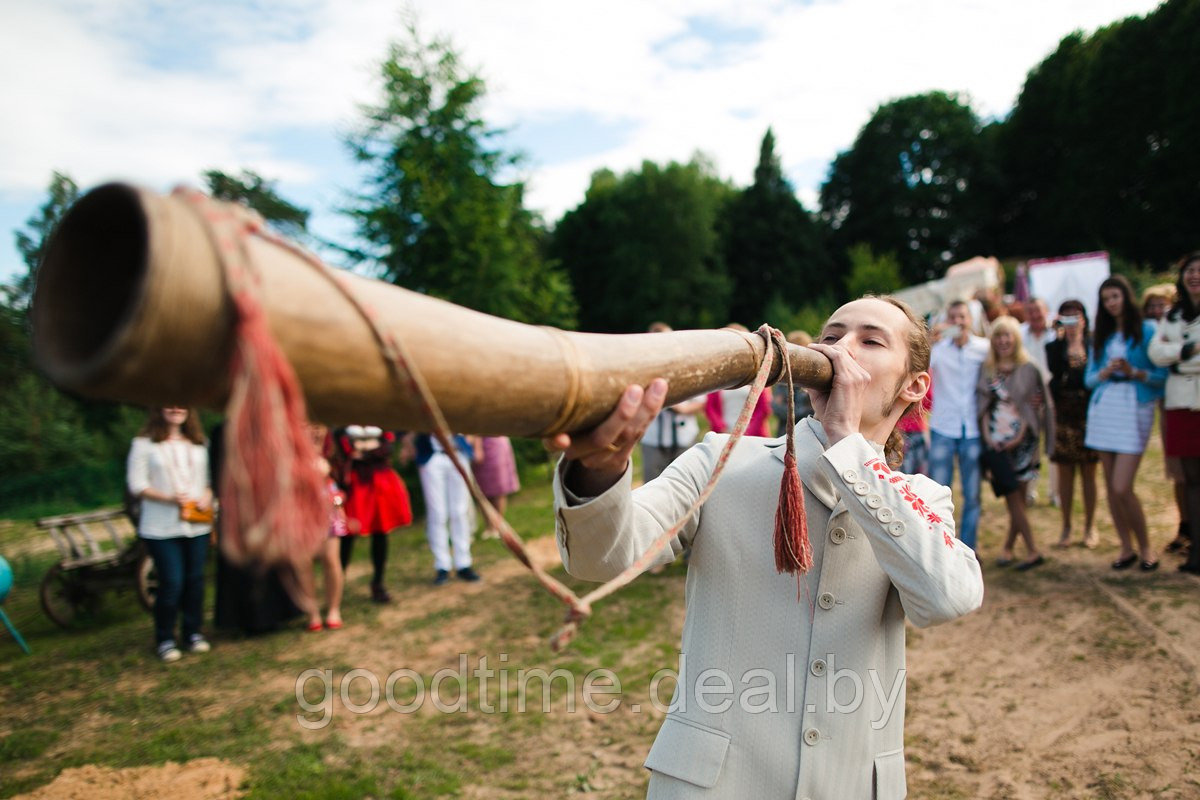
<point x="689" y="751"/>
<point x="889" y="776"/>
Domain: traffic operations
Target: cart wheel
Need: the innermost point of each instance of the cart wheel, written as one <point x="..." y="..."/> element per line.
<point x="147" y="582"/>
<point x="64" y="597"/>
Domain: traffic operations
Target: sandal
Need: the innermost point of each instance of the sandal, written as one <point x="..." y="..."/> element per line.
<point x="1149" y="566"/>
<point x="315" y="627"/>
<point x="1037" y="561"/>
<point x="1125" y="563"/>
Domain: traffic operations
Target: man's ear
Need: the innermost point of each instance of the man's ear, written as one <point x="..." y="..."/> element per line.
<point x="916" y="389"/>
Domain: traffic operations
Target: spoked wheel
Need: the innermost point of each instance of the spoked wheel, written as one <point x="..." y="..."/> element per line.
<point x="65" y="598"/>
<point x="147" y="582"/>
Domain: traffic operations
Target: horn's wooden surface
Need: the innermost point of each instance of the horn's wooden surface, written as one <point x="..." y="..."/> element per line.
<point x="131" y="305"/>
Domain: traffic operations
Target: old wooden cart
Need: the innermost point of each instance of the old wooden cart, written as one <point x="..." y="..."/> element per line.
<point x="99" y="552"/>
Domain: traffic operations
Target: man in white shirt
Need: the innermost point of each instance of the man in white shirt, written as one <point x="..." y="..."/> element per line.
<point x="1036" y="333"/>
<point x="953" y="423"/>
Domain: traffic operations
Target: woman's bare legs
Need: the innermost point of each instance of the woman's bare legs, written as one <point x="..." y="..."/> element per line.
<point x="501" y="504"/>
<point x="1087" y="476"/>
<point x="1019" y="522"/>
<point x="1120" y="469"/>
<point x="335" y="580"/>
<point x="1066" y="499"/>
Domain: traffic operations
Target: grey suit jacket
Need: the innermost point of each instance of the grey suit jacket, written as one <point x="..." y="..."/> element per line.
<point x="788" y="689"/>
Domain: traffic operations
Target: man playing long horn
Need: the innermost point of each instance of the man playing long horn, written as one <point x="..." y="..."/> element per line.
<point x="785" y="691"/>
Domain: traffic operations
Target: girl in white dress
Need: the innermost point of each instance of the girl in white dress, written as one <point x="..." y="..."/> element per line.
<point x="1125" y="388"/>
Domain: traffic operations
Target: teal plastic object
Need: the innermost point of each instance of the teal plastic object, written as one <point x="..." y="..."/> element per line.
<point x="6" y="579"/>
<point x="6" y="582"/>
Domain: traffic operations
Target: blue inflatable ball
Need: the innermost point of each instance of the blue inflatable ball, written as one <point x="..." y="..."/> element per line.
<point x="5" y="579"/>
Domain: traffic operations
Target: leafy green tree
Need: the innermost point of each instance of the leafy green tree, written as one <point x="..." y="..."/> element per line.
<point x="437" y="217"/>
<point x="906" y="185"/>
<point x="31" y="241"/>
<point x="770" y="244"/>
<point x="643" y="246"/>
<point x="1099" y="149"/>
<point x="260" y="194"/>
<point x="41" y="428"/>
<point x="871" y="274"/>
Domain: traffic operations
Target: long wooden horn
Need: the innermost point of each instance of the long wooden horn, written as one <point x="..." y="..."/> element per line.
<point x="131" y="305"/>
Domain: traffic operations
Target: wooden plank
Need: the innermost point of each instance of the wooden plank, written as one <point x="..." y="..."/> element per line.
<point x="62" y="543"/>
<point x="85" y="516"/>
<point x="93" y="546"/>
<point x="118" y="539"/>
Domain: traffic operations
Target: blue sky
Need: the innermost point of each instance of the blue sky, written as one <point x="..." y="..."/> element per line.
<point x="154" y="91"/>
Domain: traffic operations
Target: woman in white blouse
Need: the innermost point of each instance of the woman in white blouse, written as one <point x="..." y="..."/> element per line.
<point x="168" y="471"/>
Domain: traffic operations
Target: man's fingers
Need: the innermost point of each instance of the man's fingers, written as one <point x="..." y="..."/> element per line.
<point x="557" y="443"/>
<point x="609" y="445"/>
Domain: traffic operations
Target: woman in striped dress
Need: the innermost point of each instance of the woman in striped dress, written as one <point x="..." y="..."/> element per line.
<point x="1125" y="387"/>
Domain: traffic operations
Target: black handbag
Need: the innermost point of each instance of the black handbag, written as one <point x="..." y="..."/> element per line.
<point x="999" y="468"/>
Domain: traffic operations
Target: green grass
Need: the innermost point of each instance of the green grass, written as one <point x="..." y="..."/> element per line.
<point x="96" y="694"/>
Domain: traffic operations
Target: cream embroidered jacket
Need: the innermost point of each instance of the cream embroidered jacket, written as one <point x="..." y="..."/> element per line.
<point x="785" y="696"/>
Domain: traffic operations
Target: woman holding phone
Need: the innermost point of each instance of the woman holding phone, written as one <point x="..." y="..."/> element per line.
<point x="1125" y="387"/>
<point x="1067" y="360"/>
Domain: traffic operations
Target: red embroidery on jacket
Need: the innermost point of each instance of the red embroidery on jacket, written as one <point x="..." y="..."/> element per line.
<point x="898" y="482"/>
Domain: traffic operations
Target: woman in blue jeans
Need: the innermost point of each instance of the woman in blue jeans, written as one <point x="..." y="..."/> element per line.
<point x="168" y="472"/>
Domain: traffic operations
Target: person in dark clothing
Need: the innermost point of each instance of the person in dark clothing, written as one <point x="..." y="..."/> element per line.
<point x="249" y="599"/>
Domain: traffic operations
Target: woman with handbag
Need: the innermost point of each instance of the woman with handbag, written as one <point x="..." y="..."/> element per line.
<point x="1175" y="346"/>
<point x="168" y="471"/>
<point x="1125" y="388"/>
<point x="1014" y="409"/>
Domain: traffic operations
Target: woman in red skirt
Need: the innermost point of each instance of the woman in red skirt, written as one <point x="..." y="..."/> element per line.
<point x="376" y="499"/>
<point x="1176" y="345"/>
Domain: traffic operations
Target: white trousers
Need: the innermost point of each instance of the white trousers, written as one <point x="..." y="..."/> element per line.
<point x="447" y="512"/>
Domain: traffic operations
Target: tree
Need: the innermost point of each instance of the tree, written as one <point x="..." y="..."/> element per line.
<point x="643" y="246"/>
<point x="31" y="242"/>
<point x="260" y="194"/>
<point x="871" y="274"/>
<point x="770" y="244"/>
<point x="1098" y="152"/>
<point x="437" y="218"/>
<point x="906" y="185"/>
<point x="41" y="428"/>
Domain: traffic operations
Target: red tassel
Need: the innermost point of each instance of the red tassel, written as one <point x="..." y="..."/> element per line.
<point x="274" y="506"/>
<point x="793" y="550"/>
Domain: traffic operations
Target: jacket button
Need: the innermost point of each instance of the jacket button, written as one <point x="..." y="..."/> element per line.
<point x="818" y="667"/>
<point x="896" y="528"/>
<point x="850" y="476"/>
<point x="812" y="736"/>
<point x="837" y="535"/>
<point x="825" y="601"/>
<point x="874" y="501"/>
<point x="861" y="488"/>
<point x="885" y="515"/>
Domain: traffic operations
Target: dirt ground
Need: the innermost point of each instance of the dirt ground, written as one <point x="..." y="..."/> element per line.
<point x="202" y="779"/>
<point x="1073" y="681"/>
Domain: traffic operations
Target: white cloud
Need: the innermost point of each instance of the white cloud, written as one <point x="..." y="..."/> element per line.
<point x="79" y="96"/>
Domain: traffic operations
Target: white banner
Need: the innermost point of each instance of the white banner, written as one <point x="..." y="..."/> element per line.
<point x="1076" y="277"/>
